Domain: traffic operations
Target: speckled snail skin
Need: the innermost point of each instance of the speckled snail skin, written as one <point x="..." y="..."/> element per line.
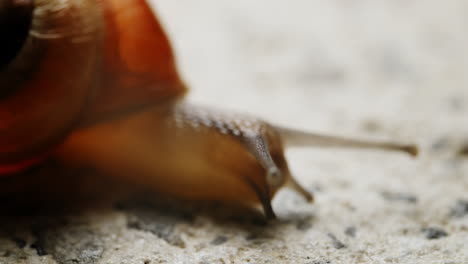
<point x="94" y="83"/>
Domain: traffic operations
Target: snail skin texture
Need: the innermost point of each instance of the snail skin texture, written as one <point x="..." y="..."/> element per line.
<point x="115" y="104"/>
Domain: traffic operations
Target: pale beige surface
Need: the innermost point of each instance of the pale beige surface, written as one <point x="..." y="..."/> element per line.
<point x="377" y="69"/>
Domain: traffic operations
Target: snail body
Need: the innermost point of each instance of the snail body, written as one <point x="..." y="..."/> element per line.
<point x="102" y="89"/>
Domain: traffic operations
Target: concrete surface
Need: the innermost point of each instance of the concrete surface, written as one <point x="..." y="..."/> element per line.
<point x="380" y="69"/>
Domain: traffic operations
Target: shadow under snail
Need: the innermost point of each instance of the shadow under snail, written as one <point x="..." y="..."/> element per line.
<point x="94" y="83"/>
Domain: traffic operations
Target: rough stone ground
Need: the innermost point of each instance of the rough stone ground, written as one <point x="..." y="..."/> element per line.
<point x="377" y="69"/>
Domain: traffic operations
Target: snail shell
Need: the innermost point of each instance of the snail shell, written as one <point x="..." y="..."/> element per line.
<point x="46" y="85"/>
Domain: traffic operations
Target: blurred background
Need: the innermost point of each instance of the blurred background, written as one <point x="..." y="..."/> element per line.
<point x="336" y="63"/>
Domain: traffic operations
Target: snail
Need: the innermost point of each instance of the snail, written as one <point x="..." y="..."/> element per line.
<point x="94" y="83"/>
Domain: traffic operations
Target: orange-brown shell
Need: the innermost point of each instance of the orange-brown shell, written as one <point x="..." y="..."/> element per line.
<point x="138" y="62"/>
<point x="128" y="63"/>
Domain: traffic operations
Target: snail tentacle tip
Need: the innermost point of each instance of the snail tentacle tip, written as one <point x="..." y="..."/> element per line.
<point x="309" y="197"/>
<point x="463" y="151"/>
<point x="294" y="185"/>
<point x="412" y="150"/>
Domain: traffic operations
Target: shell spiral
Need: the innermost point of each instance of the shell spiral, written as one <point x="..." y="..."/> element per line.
<point x="46" y="73"/>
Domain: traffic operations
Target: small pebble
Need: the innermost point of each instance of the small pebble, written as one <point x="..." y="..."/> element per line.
<point x="399" y="197"/>
<point x="304" y="224"/>
<point x="219" y="240"/>
<point x="464" y="151"/>
<point x="350" y="231"/>
<point x="320" y="262"/>
<point x="336" y="243"/>
<point x="434" y="232"/>
<point x="460" y="209"/>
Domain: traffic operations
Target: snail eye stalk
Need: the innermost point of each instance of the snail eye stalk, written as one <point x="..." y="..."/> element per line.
<point x="15" y="22"/>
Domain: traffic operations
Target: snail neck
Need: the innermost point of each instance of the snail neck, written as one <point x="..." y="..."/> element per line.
<point x="187" y="151"/>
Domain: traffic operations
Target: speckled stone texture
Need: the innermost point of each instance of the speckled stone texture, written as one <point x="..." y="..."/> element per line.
<point x="380" y="69"/>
